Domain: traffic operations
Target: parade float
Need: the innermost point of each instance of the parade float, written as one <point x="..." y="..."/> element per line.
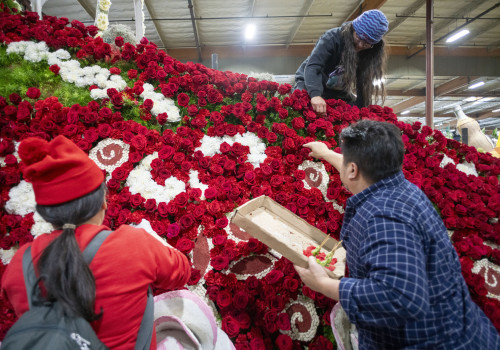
<point x="183" y="146"/>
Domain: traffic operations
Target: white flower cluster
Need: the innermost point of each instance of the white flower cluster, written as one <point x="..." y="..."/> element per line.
<point x="33" y="52"/>
<point x="161" y="104"/>
<point x="6" y="255"/>
<point x="101" y="19"/>
<point x="297" y="317"/>
<point x="194" y="182"/>
<point x="21" y="199"/>
<point x="22" y="202"/>
<point x="104" y="5"/>
<point x="70" y="70"/>
<point x="466" y="168"/>
<point x="262" y="76"/>
<point x="140" y="181"/>
<point x="210" y="145"/>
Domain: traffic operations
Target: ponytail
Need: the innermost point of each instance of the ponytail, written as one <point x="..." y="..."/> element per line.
<point x="66" y="276"/>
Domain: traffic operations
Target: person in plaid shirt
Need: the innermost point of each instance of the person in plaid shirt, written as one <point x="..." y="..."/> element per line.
<point x="405" y="289"/>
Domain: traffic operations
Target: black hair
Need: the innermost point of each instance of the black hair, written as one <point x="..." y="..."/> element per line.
<point x="363" y="67"/>
<point x="375" y="147"/>
<point x="66" y="276"/>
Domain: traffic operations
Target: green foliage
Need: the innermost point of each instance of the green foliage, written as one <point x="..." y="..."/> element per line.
<point x="12" y="4"/>
<point x="18" y="75"/>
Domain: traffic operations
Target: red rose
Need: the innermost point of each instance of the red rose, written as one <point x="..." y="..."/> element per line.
<point x="284" y="342"/>
<point x="15" y="98"/>
<point x="214" y="207"/>
<point x="173" y="229"/>
<point x="284" y="321"/>
<point x="139" y="142"/>
<point x="290" y="284"/>
<point x="185" y="245"/>
<point x="249" y="178"/>
<point x="230" y="326"/>
<point x="274" y="276"/>
<point x="115" y="70"/>
<point x="183" y="99"/>
<point x="240" y="299"/>
<point x="224" y="299"/>
<point x="132" y="73"/>
<point x="119" y="41"/>
<point x="270" y="321"/>
<point x="222" y="222"/>
<point x="244" y="320"/>
<point x="55" y="69"/>
<point x="219" y="262"/>
<point x="148" y="104"/>
<point x="186" y="221"/>
<point x="33" y="93"/>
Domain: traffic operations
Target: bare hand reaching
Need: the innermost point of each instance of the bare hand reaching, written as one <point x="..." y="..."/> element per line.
<point x="318" y="104"/>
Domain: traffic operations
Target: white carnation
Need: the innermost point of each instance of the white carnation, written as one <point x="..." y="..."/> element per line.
<point x="21" y="199"/>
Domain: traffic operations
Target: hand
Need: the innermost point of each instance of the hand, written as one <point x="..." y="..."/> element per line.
<point x="313" y="275"/>
<point x="318" y="149"/>
<point x="318" y="104"/>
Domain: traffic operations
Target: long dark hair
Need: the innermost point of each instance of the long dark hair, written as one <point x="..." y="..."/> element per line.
<point x="368" y="65"/>
<point x="66" y="276"/>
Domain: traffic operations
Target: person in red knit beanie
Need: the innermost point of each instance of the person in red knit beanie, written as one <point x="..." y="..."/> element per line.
<point x="111" y="292"/>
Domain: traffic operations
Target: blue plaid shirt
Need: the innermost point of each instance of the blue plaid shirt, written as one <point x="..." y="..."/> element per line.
<point x="405" y="288"/>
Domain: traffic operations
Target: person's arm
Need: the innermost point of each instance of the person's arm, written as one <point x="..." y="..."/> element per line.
<point x="321" y="151"/>
<point x="315" y="277"/>
<point x="313" y="72"/>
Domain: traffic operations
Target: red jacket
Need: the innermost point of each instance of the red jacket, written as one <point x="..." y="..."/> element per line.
<point x="125" y="265"/>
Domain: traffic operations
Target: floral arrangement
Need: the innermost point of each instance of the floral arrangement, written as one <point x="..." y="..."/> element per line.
<point x="102" y="11"/>
<point x="184" y="145"/>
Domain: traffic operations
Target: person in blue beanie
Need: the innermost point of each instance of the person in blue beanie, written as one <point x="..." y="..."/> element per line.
<point x="345" y="63"/>
<point x="405" y="288"/>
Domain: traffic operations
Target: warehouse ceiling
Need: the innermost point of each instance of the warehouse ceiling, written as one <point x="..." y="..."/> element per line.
<point x="191" y="30"/>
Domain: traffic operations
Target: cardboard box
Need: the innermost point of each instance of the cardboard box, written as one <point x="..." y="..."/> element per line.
<point x="285" y="232"/>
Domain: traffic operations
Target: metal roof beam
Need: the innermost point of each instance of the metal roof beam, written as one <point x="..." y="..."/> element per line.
<point x="408" y="12"/>
<point x="305" y="9"/>
<point x="365" y="6"/>
<point x="153" y="15"/>
<point x="88" y="8"/>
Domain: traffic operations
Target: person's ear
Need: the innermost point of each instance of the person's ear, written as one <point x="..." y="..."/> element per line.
<point x="104" y="204"/>
<point x="352" y="171"/>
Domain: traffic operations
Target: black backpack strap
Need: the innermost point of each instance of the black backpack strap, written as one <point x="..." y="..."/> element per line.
<point x="30" y="278"/>
<point x="146" y="329"/>
<point x="91" y="248"/>
<point x="29" y="275"/>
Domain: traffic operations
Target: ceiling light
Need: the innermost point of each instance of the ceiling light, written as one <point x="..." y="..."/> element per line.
<point x="478" y="84"/>
<point x="250" y="31"/>
<point x="378" y="82"/>
<point x="405" y="112"/>
<point x="496" y="110"/>
<point x="470" y="99"/>
<point x="457" y="36"/>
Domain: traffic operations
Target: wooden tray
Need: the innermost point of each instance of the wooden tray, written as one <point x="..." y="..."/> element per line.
<point x="285" y="232"/>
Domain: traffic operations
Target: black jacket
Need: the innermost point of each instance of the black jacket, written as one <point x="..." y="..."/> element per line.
<point x="324" y="59"/>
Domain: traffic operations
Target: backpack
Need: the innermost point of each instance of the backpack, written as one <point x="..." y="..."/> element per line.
<point x="44" y="325"/>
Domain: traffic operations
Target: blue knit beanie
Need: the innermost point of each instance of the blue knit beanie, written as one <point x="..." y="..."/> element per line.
<point x="371" y="26"/>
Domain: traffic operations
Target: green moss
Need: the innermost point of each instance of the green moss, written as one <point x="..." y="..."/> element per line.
<point x="18" y="75"/>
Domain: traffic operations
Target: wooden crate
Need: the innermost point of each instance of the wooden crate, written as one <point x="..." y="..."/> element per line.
<point x="285" y="232"/>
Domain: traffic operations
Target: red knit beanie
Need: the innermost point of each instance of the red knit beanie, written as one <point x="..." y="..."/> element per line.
<point x="59" y="170"/>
